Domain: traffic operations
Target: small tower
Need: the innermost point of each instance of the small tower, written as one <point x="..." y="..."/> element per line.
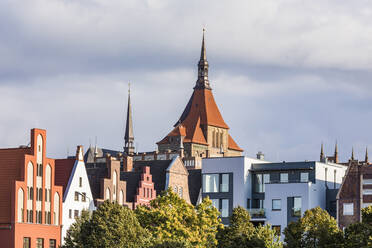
<point x="366" y="158"/>
<point x="129" y="137"/>
<point x="203" y="82"/>
<point x="336" y="153"/>
<point x="352" y="153"/>
<point x="322" y="157"/>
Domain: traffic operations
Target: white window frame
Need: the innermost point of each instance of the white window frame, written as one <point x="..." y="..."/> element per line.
<point x="348" y="206"/>
<point x="307" y="177"/>
<point x="284" y="181"/>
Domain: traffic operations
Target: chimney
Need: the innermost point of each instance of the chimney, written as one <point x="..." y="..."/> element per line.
<point x="260" y="156"/>
<point x="127" y="163"/>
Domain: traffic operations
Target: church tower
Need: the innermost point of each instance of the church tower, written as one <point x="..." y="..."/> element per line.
<point x="201" y="130"/>
<point x="129" y="137"/>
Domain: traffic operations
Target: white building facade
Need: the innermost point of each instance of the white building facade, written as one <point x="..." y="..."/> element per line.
<point x="77" y="194"/>
<point x="273" y="193"/>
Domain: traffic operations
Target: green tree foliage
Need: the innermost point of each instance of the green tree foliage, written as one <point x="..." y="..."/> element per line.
<point x="74" y="236"/>
<point x="241" y="233"/>
<point x="111" y="225"/>
<point x="360" y="234"/>
<point x="171" y="220"/>
<point x="367" y="215"/>
<point x="315" y="229"/>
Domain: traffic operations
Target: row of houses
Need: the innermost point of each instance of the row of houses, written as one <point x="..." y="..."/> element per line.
<point x="40" y="196"/>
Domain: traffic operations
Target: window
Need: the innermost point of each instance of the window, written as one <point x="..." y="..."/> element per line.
<point x="367" y="191"/>
<point x="175" y="190"/>
<point x="30" y="216"/>
<point x="348" y="208"/>
<point x="296" y="210"/>
<point x="364" y="205"/>
<point x="284" y="177"/>
<point x="304" y="177"/>
<point x="48" y="217"/>
<point x="215" y="203"/>
<point x="276" y="204"/>
<point x="70" y="213"/>
<point x="80" y="182"/>
<point x="257" y="203"/>
<point x="39" y="170"/>
<point x="248" y="203"/>
<point x="39" y="243"/>
<point x="26" y="242"/>
<point x="76" y="196"/>
<point x="258" y="183"/>
<point x="52" y="243"/>
<point x="225" y="183"/>
<point x="224" y="208"/>
<point x="84" y="197"/>
<point x="181" y="192"/>
<point x="367" y="181"/>
<point x="38" y="217"/>
<point x="277" y="230"/>
<point x="266" y="179"/>
<point x="76" y="213"/>
<point x="210" y="183"/>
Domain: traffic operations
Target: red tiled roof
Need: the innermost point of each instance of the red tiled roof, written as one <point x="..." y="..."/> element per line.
<point x="233" y="146"/>
<point x="63" y="171"/>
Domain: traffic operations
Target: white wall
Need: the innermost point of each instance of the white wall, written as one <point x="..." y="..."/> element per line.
<point x="69" y="196"/>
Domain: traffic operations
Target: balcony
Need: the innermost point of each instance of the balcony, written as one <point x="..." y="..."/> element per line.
<point x="257" y="213"/>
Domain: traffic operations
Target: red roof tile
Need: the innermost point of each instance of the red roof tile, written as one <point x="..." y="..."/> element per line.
<point x="63" y="171"/>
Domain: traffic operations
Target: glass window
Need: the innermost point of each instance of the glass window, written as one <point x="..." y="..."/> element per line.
<point x="210" y="183"/>
<point x="296" y="211"/>
<point x="304" y="177"/>
<point x="277" y="204"/>
<point x="84" y="197"/>
<point x="215" y="203"/>
<point x="284" y="177"/>
<point x="257" y="203"/>
<point x="224" y="208"/>
<point x="367" y="191"/>
<point x="52" y="243"/>
<point x="76" y="196"/>
<point x="258" y="183"/>
<point x="70" y="213"/>
<point x="225" y="183"/>
<point x="248" y="203"/>
<point x="80" y="182"/>
<point x="266" y="179"/>
<point x="348" y="208"/>
<point x="39" y="243"/>
<point x="76" y="213"/>
<point x="26" y="242"/>
<point x="367" y="181"/>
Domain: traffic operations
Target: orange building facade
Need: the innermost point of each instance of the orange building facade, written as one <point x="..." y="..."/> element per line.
<point x="30" y="203"/>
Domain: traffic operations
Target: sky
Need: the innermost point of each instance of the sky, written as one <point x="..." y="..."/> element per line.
<point x="287" y="75"/>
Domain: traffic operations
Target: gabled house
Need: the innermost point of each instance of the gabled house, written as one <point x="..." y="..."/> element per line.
<point x="30" y="201"/>
<point x="71" y="174"/>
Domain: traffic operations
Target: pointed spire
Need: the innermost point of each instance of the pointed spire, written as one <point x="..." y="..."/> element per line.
<point x="366" y="158"/>
<point x="203" y="82"/>
<point x="129" y="137"/>
<point x="352" y="153"/>
<point x="322" y="153"/>
<point x="336" y="153"/>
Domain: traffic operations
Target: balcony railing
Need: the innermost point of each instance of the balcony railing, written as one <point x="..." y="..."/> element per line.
<point x="257" y="213"/>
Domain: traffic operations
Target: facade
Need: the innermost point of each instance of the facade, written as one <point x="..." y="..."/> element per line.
<point x="274" y="193"/>
<point x="168" y="174"/>
<point x="30" y="202"/>
<point x="355" y="192"/>
<point x="72" y="176"/>
<point x="201" y="130"/>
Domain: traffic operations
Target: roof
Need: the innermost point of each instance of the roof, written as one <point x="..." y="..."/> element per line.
<point x="158" y="170"/>
<point x="232" y="144"/>
<point x="306" y="165"/>
<point x="195" y="180"/>
<point x="101" y="152"/>
<point x="132" y="178"/>
<point x="63" y="169"/>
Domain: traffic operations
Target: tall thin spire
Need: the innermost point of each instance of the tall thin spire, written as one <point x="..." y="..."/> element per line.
<point x="129" y="137"/>
<point x="203" y="82"/>
<point x="352" y="153"/>
<point x="322" y="153"/>
<point x="336" y="153"/>
<point x="366" y="158"/>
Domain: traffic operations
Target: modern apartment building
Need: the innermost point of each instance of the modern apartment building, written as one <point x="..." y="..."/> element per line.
<point x="30" y="201"/>
<point x="274" y="193"/>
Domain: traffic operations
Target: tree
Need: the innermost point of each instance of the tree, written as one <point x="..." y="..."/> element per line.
<point x="367" y="215"/>
<point x="111" y="225"/>
<point x="242" y="233"/>
<point x="74" y="236"/>
<point x="171" y="219"/>
<point x="315" y="229"/>
<point x="360" y="234"/>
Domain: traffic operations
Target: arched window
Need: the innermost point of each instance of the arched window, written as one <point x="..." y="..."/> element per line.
<point x="221" y="139"/>
<point x="56" y="208"/>
<point x="107" y="194"/>
<point x="39" y="147"/>
<point x="181" y="192"/>
<point x="121" y="197"/>
<point x="175" y="190"/>
<point x="30" y="192"/>
<point x="48" y="182"/>
<point x="213" y="139"/>
<point x="217" y="140"/>
<point x="114" y="179"/>
<point x="20" y="205"/>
